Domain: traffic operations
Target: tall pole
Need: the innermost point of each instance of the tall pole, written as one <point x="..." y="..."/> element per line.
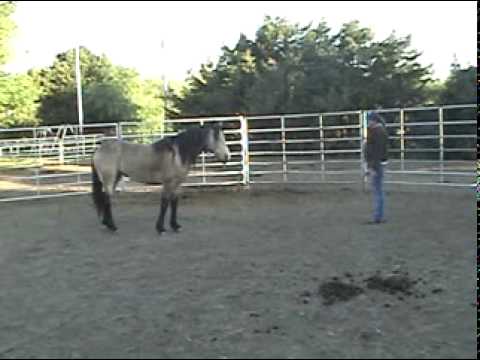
<point x="165" y="88"/>
<point x="79" y="89"/>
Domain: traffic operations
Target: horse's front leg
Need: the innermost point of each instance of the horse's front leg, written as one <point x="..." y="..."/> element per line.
<point x="173" y="216"/>
<point x="163" y="209"/>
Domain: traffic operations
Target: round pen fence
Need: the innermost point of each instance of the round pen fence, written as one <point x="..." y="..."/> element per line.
<point x="49" y="161"/>
<point x="428" y="146"/>
<point x="432" y="145"/>
<point x="306" y="148"/>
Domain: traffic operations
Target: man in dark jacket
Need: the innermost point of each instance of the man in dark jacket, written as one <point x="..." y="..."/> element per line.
<point x="376" y="154"/>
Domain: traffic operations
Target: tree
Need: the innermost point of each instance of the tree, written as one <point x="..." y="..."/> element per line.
<point x="292" y="68"/>
<point x="106" y="102"/>
<point x="18" y="93"/>
<point x="104" y="90"/>
<point x="18" y="100"/>
<point x="460" y="87"/>
<point x="110" y="93"/>
<point x="7" y="26"/>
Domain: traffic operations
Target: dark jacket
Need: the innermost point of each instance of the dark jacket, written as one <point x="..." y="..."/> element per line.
<point x="377" y="146"/>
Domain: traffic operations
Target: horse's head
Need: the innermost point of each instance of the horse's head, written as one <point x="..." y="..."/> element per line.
<point x="216" y="143"/>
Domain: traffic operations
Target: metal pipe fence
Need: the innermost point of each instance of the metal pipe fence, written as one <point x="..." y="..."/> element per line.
<point x="431" y="146"/>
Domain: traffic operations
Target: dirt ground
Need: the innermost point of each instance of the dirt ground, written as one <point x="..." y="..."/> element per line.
<point x="244" y="278"/>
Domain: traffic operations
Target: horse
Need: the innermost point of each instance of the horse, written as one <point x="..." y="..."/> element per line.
<point x="167" y="162"/>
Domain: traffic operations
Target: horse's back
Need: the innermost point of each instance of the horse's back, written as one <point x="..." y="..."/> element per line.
<point x="154" y="163"/>
<point x="147" y="163"/>
<point x="116" y="149"/>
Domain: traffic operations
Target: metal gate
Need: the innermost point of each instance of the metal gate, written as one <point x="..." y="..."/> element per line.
<point x="305" y="148"/>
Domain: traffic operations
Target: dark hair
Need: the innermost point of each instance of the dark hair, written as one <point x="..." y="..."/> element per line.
<point x="375" y="116"/>
<point x="190" y="142"/>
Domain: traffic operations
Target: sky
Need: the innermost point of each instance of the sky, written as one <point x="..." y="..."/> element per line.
<point x="131" y="33"/>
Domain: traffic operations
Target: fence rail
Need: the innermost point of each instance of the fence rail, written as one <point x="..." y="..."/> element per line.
<point x="428" y="146"/>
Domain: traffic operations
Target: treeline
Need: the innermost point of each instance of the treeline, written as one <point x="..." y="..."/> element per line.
<point x="287" y="68"/>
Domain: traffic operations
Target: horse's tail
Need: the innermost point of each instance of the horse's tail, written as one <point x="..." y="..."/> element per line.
<point x="99" y="196"/>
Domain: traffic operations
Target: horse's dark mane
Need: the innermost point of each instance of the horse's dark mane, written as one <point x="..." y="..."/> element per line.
<point x="190" y="142"/>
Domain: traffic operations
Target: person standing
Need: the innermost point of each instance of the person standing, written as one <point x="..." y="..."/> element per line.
<point x="376" y="155"/>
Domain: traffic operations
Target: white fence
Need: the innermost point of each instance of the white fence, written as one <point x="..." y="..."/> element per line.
<point x="428" y="146"/>
<point x="306" y="148"/>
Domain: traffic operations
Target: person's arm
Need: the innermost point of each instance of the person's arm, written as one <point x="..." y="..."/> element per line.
<point x="370" y="149"/>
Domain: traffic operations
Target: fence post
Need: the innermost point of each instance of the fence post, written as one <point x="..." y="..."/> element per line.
<point x="363" y="139"/>
<point x="61" y="152"/>
<point x="322" y="146"/>
<point x="78" y="139"/>
<point x="37" y="181"/>
<point x="204" y="178"/>
<point x="402" y="142"/>
<point x="38" y="145"/>
<point x="245" y="151"/>
<point x="284" y="149"/>
<point x="440" y="142"/>
<point x="118" y="131"/>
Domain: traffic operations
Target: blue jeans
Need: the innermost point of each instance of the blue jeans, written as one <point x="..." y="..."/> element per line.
<point x="378" y="194"/>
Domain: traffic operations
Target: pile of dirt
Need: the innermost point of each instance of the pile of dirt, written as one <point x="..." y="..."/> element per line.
<point x="397" y="283"/>
<point x="334" y="290"/>
<point x="392" y="284"/>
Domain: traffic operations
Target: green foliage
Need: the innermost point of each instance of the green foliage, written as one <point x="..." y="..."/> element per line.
<point x="110" y="93"/>
<point x="290" y="68"/>
<point x="460" y="87"/>
<point x="7" y="26"/>
<point x="18" y="100"/>
<point x="104" y="100"/>
<point x="18" y="93"/>
<point x="148" y="97"/>
<point x="286" y="68"/>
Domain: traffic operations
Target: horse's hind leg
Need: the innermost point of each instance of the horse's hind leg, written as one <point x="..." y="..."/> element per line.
<point x="107" y="215"/>
<point x="173" y="216"/>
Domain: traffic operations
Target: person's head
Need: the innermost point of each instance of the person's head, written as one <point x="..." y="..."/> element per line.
<point x="374" y="118"/>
